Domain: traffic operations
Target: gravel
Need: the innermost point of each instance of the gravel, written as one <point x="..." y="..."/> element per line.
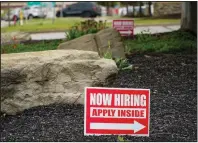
<point x="173" y="117"/>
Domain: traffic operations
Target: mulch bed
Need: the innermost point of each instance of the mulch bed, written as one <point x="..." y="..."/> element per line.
<point x="173" y="116"/>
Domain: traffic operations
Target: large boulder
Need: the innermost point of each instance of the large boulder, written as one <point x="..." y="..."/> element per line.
<point x="51" y="77"/>
<point x="87" y="43"/>
<point x="106" y="40"/>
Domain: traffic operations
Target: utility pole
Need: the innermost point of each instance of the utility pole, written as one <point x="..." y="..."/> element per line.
<point x="8" y="14"/>
<point x="140" y="8"/>
<point x="54" y="13"/>
<point x="61" y="11"/>
<point x="127" y="8"/>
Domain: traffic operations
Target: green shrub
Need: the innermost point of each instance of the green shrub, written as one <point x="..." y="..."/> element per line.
<point x="85" y="27"/>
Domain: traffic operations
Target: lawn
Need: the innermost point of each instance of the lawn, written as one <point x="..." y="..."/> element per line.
<point x="62" y="24"/>
<point x="174" y="42"/>
<point x="37" y="25"/>
<point x="148" y="21"/>
<point x="38" y="46"/>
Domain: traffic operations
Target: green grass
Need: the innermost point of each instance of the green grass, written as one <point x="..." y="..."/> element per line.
<point x="149" y="21"/>
<point x="39" y="46"/>
<point x="37" y="25"/>
<point x="146" y="21"/>
<point x="62" y="24"/>
<point x="174" y="42"/>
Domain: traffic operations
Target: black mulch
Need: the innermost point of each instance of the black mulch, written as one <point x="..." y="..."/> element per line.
<point x="173" y="84"/>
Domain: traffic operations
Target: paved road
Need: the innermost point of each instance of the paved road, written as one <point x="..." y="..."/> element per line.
<point x="62" y="35"/>
<point x="48" y="36"/>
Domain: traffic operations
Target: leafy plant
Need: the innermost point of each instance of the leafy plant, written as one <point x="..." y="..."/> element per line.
<point x="85" y="27"/>
<point x="120" y="139"/>
<point x="73" y="33"/>
<point x="123" y="64"/>
<point x="108" y="54"/>
<point x="144" y="36"/>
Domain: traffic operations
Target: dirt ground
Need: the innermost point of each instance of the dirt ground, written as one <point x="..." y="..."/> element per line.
<point x="173" y="117"/>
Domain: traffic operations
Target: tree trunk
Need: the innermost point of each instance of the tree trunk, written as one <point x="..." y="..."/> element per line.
<point x="108" y="8"/>
<point x="140" y="9"/>
<point x="133" y="10"/>
<point x="149" y="4"/>
<point x="189" y="16"/>
<point x="61" y="12"/>
<point x="127" y="8"/>
<point x="54" y="15"/>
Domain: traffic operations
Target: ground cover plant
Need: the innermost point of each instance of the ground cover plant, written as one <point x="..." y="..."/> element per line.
<point x="31" y="47"/>
<point x="175" y="42"/>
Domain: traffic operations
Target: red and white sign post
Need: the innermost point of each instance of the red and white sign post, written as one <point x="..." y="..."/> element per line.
<point x="125" y="27"/>
<point x="117" y="111"/>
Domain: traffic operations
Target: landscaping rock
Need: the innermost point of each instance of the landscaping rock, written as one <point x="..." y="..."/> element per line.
<point x="112" y="37"/>
<point x="14" y="37"/>
<point x="98" y="42"/>
<point x="50" y="77"/>
<point x="86" y="43"/>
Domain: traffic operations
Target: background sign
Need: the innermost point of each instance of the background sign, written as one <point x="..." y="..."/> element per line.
<point x="125" y="27"/>
<point x="33" y="3"/>
<point x="117" y="111"/>
<point x="43" y="4"/>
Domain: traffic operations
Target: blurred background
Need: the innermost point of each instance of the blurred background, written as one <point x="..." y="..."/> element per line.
<point x="89" y="9"/>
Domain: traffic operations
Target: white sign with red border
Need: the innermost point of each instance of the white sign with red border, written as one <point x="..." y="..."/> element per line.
<point x="125" y="27"/>
<point x="116" y="111"/>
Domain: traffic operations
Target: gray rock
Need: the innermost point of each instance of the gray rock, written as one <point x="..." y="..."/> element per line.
<point x="98" y="42"/>
<point x="86" y="43"/>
